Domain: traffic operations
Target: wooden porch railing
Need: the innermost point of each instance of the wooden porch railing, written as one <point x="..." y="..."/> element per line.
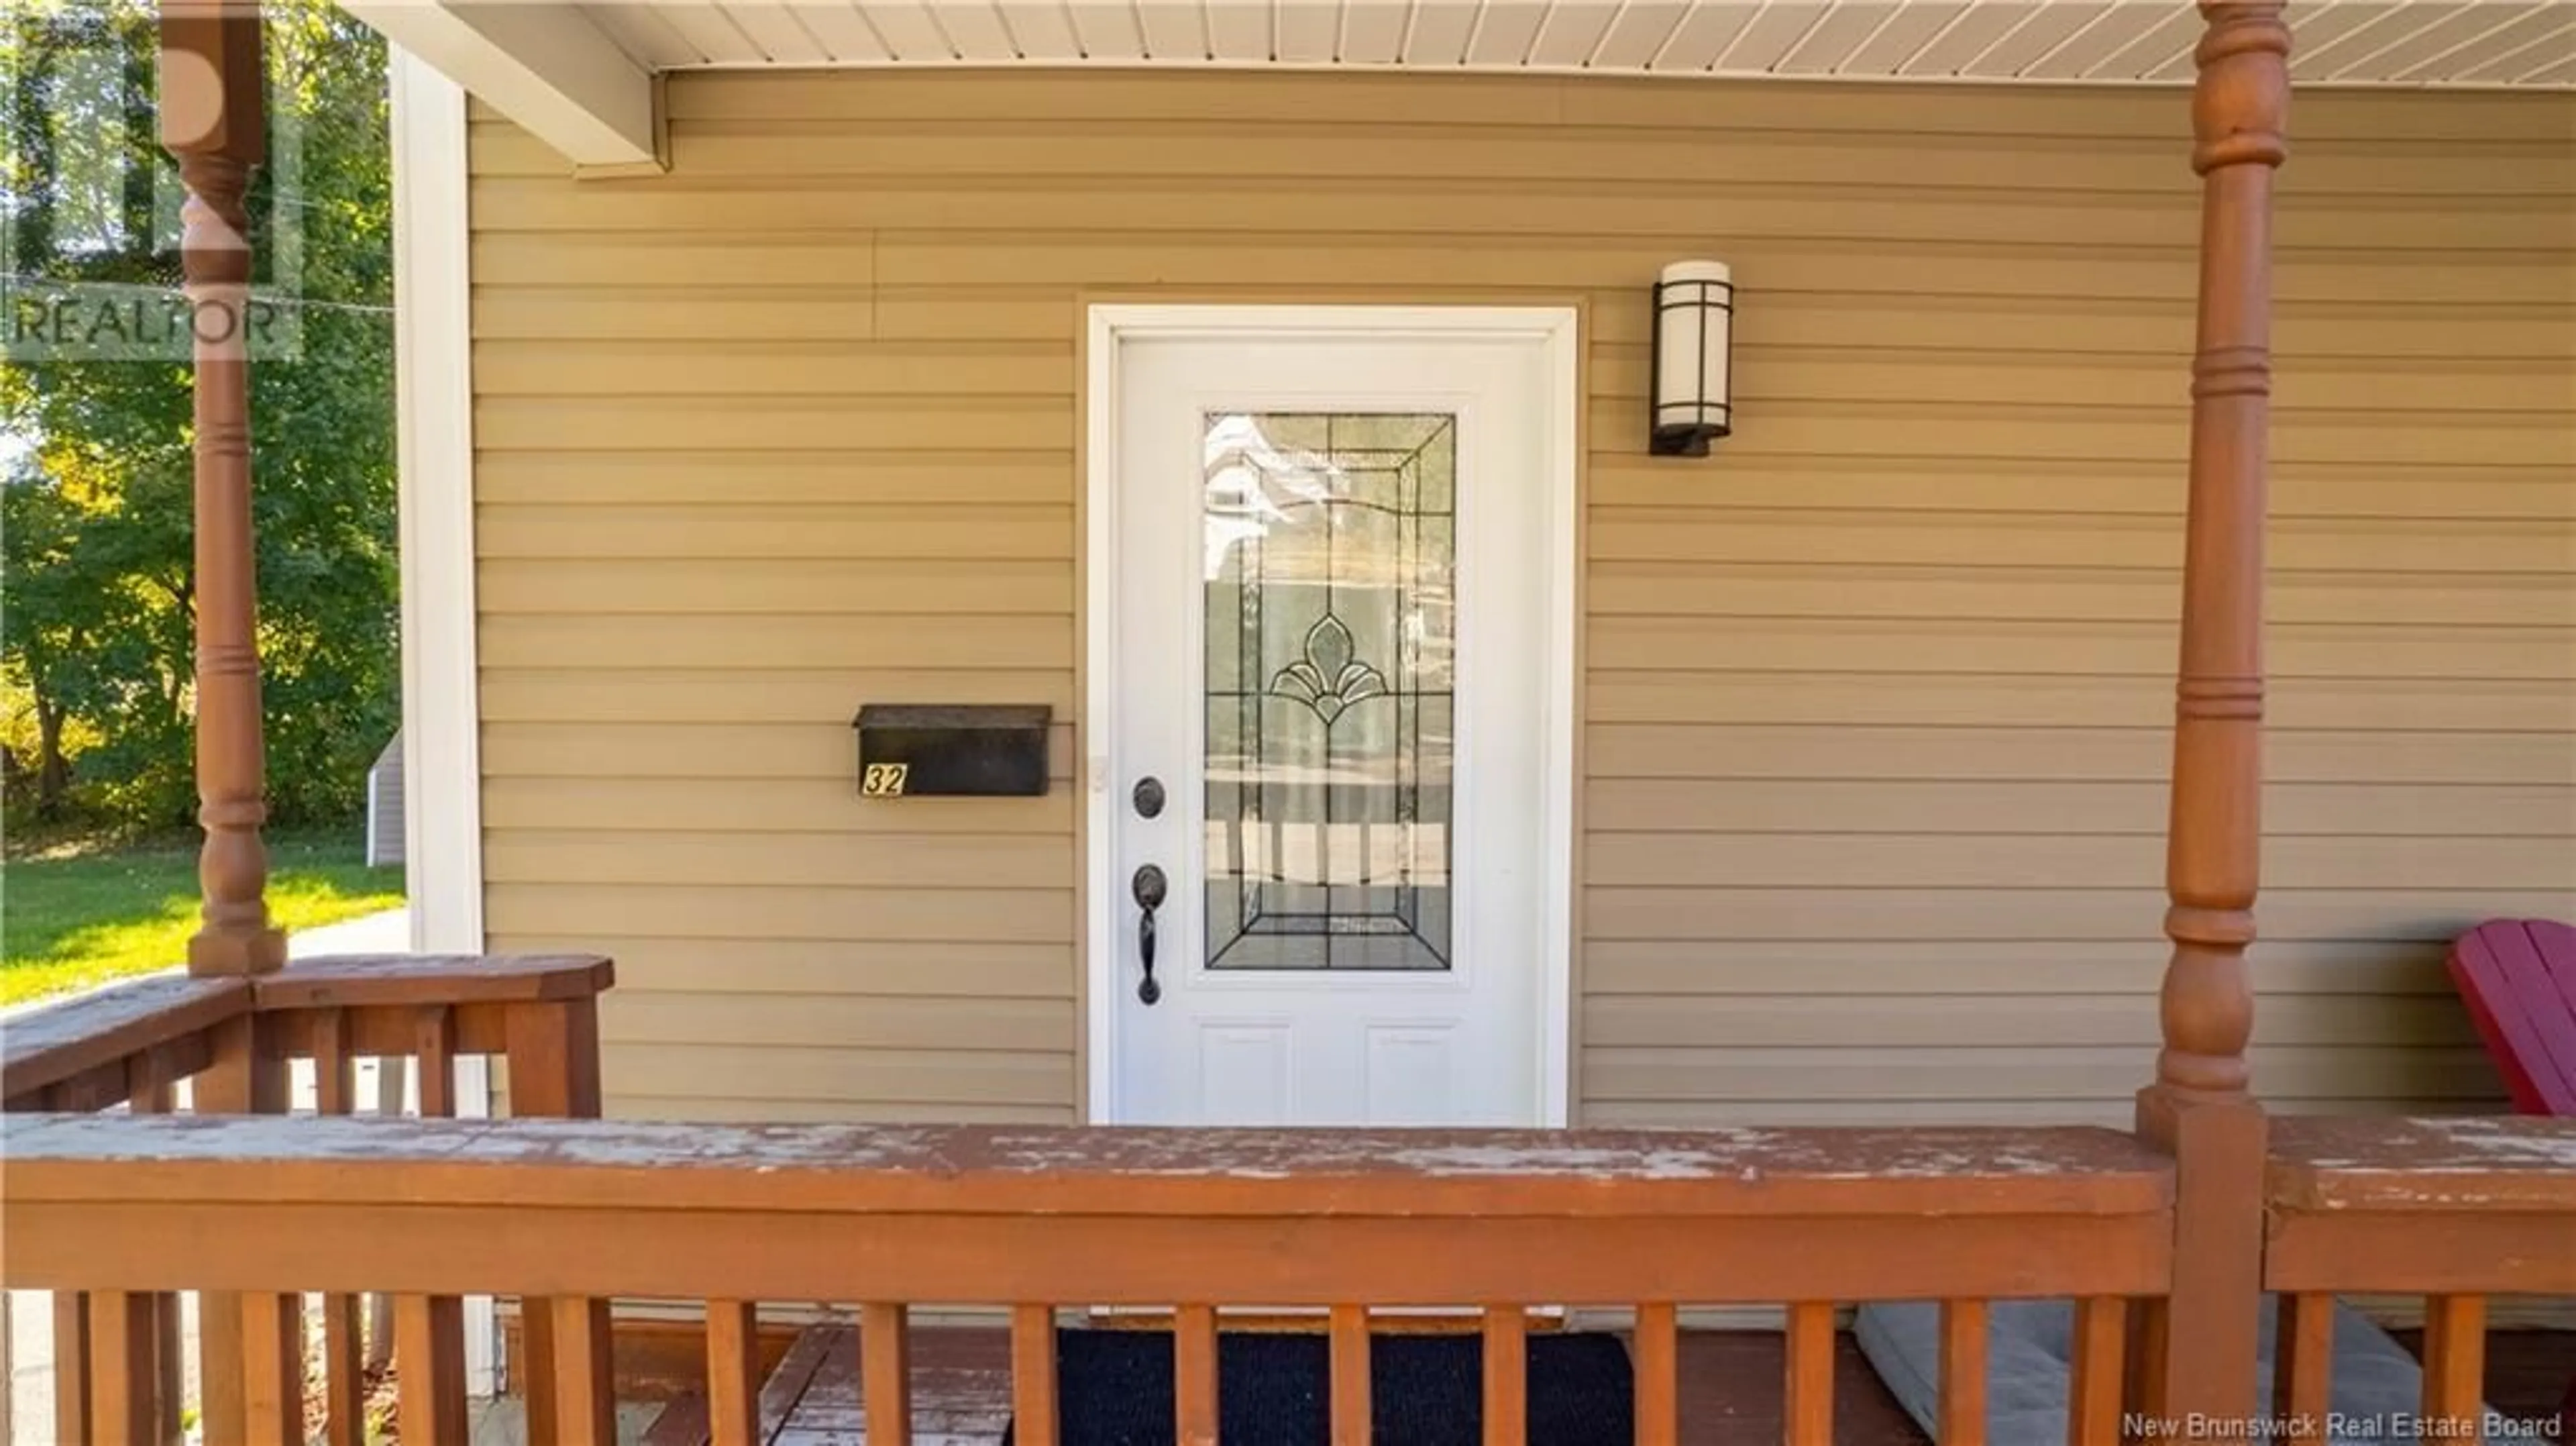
<point x="2455" y="1210"/>
<point x="1036" y="1219"/>
<point x="230" y="1042"/>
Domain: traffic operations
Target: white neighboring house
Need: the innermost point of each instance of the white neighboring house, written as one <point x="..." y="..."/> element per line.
<point x="385" y="805"/>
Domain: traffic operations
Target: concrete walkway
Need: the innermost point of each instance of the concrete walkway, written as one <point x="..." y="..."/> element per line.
<point x="30" y="1344"/>
<point x="385" y="933"/>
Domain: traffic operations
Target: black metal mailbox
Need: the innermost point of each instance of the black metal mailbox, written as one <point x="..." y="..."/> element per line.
<point x="952" y="749"/>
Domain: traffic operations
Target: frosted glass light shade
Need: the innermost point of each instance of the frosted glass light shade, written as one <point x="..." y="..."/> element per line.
<point x="1694" y="328"/>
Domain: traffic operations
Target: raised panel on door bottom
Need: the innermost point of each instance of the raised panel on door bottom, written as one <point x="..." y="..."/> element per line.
<point x="1244" y="1071"/>
<point x="1412" y="1074"/>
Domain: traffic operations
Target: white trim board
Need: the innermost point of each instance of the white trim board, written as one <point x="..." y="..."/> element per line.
<point x="434" y="392"/>
<point x="1109" y="325"/>
<point x="434" y="401"/>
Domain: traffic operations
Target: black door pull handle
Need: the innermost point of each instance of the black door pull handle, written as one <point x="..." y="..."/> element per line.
<point x="1149" y="889"/>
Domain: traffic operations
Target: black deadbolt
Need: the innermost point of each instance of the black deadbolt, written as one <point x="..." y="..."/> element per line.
<point x="1149" y="797"/>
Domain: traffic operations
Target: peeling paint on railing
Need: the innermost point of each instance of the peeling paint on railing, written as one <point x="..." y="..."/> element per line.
<point x="1738" y="1154"/>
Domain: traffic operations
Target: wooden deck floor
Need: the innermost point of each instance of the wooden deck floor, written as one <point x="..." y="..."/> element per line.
<point x="1730" y="1389"/>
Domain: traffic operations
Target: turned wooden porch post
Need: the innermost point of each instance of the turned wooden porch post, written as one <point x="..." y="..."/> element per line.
<point x="2200" y="1346"/>
<point x="211" y="121"/>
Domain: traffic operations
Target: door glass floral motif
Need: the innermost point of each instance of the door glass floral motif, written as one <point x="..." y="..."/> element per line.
<point x="1331" y="624"/>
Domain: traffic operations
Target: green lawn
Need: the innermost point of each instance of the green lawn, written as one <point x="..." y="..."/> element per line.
<point x="71" y="919"/>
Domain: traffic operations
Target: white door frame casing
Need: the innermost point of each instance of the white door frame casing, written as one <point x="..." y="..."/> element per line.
<point x="1110" y="326"/>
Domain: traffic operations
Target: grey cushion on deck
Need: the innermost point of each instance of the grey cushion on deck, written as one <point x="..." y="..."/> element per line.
<point x="2029" y="1348"/>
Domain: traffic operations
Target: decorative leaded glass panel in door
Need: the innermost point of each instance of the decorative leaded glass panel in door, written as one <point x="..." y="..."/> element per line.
<point x="1331" y="628"/>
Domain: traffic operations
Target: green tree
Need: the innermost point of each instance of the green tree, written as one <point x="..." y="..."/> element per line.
<point x="95" y="518"/>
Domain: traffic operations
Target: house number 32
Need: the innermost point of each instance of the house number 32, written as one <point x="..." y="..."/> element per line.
<point x="884" y="780"/>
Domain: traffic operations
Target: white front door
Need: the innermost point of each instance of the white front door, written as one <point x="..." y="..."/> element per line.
<point x="1331" y="689"/>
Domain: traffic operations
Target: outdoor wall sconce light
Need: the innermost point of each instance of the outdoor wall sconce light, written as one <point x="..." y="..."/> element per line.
<point x="1694" y="331"/>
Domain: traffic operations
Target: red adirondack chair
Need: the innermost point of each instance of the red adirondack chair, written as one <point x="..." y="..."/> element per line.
<point x="2518" y="977"/>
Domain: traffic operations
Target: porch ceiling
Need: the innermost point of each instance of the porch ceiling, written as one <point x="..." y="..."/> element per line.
<point x="2338" y="42"/>
<point x="581" y="76"/>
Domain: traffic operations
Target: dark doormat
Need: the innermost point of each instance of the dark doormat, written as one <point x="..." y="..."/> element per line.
<point x="1114" y="1388"/>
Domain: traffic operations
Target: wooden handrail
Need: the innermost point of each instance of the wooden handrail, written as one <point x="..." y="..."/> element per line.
<point x="2453" y="1209"/>
<point x="78" y="1055"/>
<point x="968" y="1214"/>
<point x="351" y="980"/>
<point x="1968" y="1172"/>
<point x="57" y="1045"/>
<point x="2439" y="1206"/>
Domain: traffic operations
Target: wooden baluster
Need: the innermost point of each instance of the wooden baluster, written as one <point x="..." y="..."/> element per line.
<point x="247" y="1077"/>
<point x="429" y="1330"/>
<point x="1033" y="1405"/>
<point x="2455" y="1368"/>
<point x="2303" y="1365"/>
<point x="1807" y="1411"/>
<point x="429" y="1369"/>
<point x="733" y="1372"/>
<point x="1350" y="1375"/>
<point x="152" y="1088"/>
<point x="388" y="1103"/>
<point x="585" y="1397"/>
<point x="170" y="1376"/>
<point x="124" y="1370"/>
<point x="211" y="121"/>
<point x="885" y="1374"/>
<point x="71" y="1367"/>
<point x="1656" y="1353"/>
<point x="344" y="1383"/>
<point x="2101" y="1359"/>
<point x="1194" y="1375"/>
<point x="554" y="1073"/>
<point x="273" y="1369"/>
<point x="1506" y="1376"/>
<point x="2199" y="1107"/>
<point x="2148" y="1332"/>
<point x="1963" y="1373"/>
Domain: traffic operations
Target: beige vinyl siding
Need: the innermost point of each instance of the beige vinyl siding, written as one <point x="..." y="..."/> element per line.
<point x="1874" y="700"/>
